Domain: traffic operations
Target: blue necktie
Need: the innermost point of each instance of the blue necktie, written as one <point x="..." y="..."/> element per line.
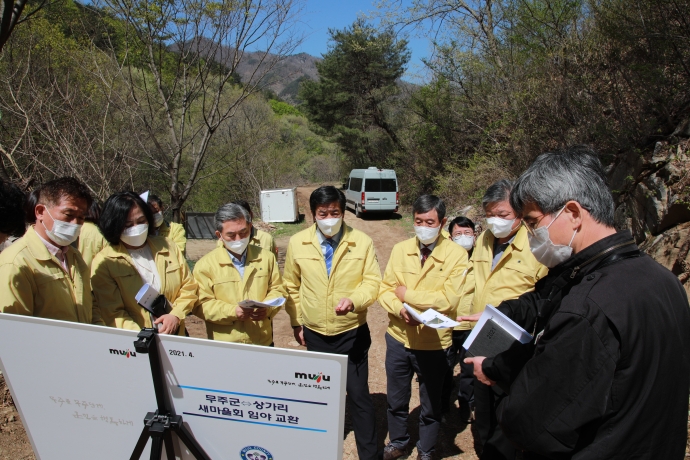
<point x="328" y="254"/>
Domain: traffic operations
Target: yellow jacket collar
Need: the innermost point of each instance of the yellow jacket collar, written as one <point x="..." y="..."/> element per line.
<point x="310" y="237"/>
<point x="253" y="254"/>
<point x="438" y="253"/>
<point x="157" y="246"/>
<point x="36" y="246"/>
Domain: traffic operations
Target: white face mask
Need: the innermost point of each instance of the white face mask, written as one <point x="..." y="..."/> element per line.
<point x="500" y="227"/>
<point x="158" y="219"/>
<point x="545" y="251"/>
<point x="466" y="241"/>
<point x="136" y="235"/>
<point x="330" y="227"/>
<point x="427" y="235"/>
<point x="62" y="233"/>
<point x="237" y="246"/>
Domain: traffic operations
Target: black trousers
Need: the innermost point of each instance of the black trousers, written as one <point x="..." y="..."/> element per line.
<point x="495" y="445"/>
<point x="431" y="367"/>
<point x="466" y="378"/>
<point x="355" y="344"/>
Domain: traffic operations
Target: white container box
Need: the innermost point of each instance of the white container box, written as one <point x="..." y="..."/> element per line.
<point x="279" y="205"/>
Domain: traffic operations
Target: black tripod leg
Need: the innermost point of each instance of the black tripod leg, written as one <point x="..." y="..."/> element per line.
<point x="190" y="441"/>
<point x="156" y="447"/>
<point x="169" y="447"/>
<point x="141" y="443"/>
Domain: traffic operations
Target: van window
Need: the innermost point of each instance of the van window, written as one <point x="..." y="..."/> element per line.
<point x="355" y="184"/>
<point x="380" y="185"/>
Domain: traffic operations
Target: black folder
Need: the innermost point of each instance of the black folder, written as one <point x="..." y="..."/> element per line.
<point x="491" y="340"/>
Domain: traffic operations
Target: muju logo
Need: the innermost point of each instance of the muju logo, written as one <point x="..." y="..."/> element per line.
<point x="316" y="377"/>
<point x="126" y="353"/>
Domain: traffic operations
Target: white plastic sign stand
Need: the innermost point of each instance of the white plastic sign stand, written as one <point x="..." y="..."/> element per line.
<point x="82" y="392"/>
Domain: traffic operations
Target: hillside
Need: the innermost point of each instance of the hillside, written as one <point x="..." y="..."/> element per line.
<point x="285" y="77"/>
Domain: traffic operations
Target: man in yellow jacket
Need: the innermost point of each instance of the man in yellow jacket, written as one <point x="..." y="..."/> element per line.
<point x="502" y="267"/>
<point x="332" y="277"/>
<point x="172" y="230"/>
<point x="423" y="272"/>
<point x="235" y="272"/>
<point x="41" y="273"/>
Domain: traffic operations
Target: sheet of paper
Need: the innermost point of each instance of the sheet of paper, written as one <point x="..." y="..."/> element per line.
<point x="503" y="321"/>
<point x="431" y="318"/>
<point x="272" y="303"/>
<point x="146" y="296"/>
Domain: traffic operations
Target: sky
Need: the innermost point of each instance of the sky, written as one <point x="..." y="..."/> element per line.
<point x="320" y="15"/>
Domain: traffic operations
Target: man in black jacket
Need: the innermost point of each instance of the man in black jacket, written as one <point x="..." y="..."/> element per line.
<point x="608" y="373"/>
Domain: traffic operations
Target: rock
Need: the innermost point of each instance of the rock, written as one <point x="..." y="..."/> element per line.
<point x="10" y="419"/>
<point x="651" y="190"/>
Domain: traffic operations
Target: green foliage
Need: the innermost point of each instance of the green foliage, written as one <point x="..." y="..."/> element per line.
<point x="283" y="108"/>
<point x="358" y="77"/>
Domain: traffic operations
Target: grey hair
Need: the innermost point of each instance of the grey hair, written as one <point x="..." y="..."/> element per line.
<point x="497" y="192"/>
<point x="572" y="174"/>
<point x="230" y="211"/>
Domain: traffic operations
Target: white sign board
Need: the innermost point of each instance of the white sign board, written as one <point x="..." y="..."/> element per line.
<point x="82" y="392"/>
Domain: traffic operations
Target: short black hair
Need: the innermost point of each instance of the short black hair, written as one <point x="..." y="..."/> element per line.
<point x="244" y="204"/>
<point x="426" y="203"/>
<point x="155" y="199"/>
<point x="12" y="201"/>
<point x="460" y="221"/>
<point x="94" y="213"/>
<point x="326" y="194"/>
<point x="51" y="192"/>
<point x="114" y="215"/>
<point x="30" y="206"/>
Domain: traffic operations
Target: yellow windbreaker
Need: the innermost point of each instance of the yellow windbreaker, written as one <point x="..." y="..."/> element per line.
<point x="516" y="273"/>
<point x="115" y="281"/>
<point x="221" y="289"/>
<point x="313" y="295"/>
<point x="262" y="239"/>
<point x="90" y="242"/>
<point x="176" y="233"/>
<point x="437" y="285"/>
<point x="34" y="283"/>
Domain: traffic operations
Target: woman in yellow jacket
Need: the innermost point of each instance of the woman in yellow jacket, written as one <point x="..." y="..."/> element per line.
<point x="133" y="258"/>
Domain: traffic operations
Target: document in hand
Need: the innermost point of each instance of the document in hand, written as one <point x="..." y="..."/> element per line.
<point x="494" y="334"/>
<point x="277" y="302"/>
<point x="431" y="318"/>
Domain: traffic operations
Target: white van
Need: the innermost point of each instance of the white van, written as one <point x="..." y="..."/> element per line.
<point x="372" y="190"/>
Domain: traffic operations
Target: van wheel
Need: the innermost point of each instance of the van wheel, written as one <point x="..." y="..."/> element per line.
<point x="357" y="212"/>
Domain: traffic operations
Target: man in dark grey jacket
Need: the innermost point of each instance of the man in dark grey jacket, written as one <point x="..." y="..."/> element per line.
<point x="608" y="373"/>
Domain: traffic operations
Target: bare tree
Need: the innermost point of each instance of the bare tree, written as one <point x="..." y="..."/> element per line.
<point x="187" y="53"/>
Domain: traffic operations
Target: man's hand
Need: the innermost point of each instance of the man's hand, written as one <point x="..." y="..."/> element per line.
<point x="251" y="314"/>
<point x="408" y="318"/>
<point x="344" y="307"/>
<point x="169" y="324"/>
<point x="478" y="371"/>
<point x="298" y="331"/>
<point x="400" y="292"/>
<point x="472" y="318"/>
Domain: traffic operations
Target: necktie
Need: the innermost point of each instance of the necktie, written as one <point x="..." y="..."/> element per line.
<point x="328" y="254"/>
<point x="425" y="254"/>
